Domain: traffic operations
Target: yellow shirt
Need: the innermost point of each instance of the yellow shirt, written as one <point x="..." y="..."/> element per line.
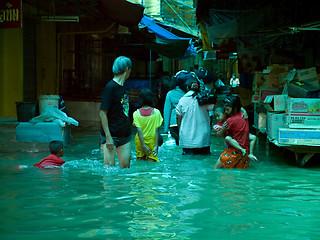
<point x="148" y="125"/>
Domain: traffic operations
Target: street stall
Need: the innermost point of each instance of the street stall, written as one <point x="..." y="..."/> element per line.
<point x="291" y="118"/>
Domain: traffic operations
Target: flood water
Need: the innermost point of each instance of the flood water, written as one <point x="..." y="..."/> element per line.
<point x="181" y="197"/>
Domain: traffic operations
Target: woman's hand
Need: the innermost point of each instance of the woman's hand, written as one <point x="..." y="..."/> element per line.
<point x="221" y="132"/>
<point x="145" y="150"/>
<point x="225" y="125"/>
<point x="155" y="150"/>
<point x="110" y="144"/>
<point x="244" y="113"/>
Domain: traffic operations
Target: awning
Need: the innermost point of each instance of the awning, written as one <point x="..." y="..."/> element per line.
<point x="231" y="24"/>
<point x="172" y="48"/>
<point x="121" y="11"/>
<point x="166" y="43"/>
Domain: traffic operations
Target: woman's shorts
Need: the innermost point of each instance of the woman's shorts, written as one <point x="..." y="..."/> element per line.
<point x="118" y="141"/>
<point x="232" y="158"/>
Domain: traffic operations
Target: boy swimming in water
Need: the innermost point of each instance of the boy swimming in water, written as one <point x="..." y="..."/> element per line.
<point x="221" y="116"/>
<point x="54" y="159"/>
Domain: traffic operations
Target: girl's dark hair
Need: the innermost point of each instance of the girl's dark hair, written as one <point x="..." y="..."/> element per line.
<point x="233" y="102"/>
<point x="146" y="97"/>
<point x="180" y="79"/>
<point x="192" y="83"/>
<point x="55" y="146"/>
<point x="206" y="76"/>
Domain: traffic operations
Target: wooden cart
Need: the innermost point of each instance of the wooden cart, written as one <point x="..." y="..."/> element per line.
<point x="303" y="153"/>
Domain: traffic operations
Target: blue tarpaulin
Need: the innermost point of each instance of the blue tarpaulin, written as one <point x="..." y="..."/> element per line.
<point x="157" y="29"/>
<point x="167" y="43"/>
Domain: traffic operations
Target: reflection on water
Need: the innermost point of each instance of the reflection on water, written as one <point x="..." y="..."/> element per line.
<point x="181" y="197"/>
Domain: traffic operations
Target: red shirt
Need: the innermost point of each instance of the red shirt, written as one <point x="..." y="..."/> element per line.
<point x="238" y="129"/>
<point x="51" y="160"/>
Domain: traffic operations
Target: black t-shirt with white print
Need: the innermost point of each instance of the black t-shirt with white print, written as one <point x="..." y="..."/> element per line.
<point x="116" y="101"/>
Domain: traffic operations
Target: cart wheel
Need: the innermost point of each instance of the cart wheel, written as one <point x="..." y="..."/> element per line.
<point x="302" y="158"/>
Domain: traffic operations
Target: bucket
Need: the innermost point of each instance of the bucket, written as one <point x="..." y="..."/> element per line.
<point x="48" y="101"/>
<point x="26" y="111"/>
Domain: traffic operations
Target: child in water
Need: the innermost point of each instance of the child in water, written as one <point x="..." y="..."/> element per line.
<point x="221" y="116"/>
<point x="54" y="159"/>
<point x="147" y="120"/>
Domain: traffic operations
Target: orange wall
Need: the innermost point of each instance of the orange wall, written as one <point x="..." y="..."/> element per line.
<point x="11" y="70"/>
<point x="46" y="60"/>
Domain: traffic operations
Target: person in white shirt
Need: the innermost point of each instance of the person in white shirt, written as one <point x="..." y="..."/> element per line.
<point x="193" y="121"/>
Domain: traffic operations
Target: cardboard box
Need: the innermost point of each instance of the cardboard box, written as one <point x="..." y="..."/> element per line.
<point x="259" y="108"/>
<point x="255" y="99"/>
<point x="303" y="112"/>
<point x="276" y="103"/>
<point x="274" y="122"/>
<point x="282" y="77"/>
<point x="309" y="137"/>
<point x="272" y="74"/>
<point x="260" y="121"/>
<point x="258" y="80"/>
<point x="264" y="92"/>
<point x="308" y="76"/>
<point x="272" y="80"/>
<point x="303" y="91"/>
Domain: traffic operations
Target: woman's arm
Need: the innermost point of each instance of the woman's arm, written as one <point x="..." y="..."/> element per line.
<point x="223" y="129"/>
<point x="244" y="113"/>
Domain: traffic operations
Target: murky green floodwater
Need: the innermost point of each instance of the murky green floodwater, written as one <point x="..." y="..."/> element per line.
<point x="179" y="198"/>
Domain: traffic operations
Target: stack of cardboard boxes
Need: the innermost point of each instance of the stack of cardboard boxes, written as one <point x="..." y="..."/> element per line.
<point x="303" y="83"/>
<point x="268" y="82"/>
<point x="276" y="116"/>
<point x="293" y="116"/>
<point x="302" y="122"/>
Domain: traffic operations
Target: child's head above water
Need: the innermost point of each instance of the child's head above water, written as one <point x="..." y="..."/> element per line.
<point x="57" y="148"/>
<point x="220" y="114"/>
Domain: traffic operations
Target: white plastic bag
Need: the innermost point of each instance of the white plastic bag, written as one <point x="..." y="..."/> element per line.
<point x="52" y="114"/>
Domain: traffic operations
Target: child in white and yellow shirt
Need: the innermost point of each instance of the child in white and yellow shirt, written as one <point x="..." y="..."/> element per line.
<point x="147" y="120"/>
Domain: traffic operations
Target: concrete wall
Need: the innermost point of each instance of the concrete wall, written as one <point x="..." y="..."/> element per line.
<point x="86" y="113"/>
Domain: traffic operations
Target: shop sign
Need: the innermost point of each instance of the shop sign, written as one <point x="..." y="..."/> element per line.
<point x="10" y="14"/>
